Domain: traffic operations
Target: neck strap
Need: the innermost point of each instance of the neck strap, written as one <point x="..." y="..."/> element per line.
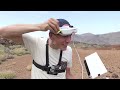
<point x="47" y="55"/>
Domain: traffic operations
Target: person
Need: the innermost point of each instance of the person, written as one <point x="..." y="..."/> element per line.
<point x="52" y="57"/>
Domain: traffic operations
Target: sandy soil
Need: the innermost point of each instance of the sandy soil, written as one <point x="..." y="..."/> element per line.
<point x="18" y="66"/>
<point x="110" y="58"/>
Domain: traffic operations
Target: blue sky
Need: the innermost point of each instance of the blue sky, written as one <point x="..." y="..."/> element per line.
<point x="96" y="22"/>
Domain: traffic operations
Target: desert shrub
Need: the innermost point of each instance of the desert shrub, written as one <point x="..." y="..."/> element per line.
<point x="2" y="53"/>
<point x="15" y="46"/>
<point x="2" y="49"/>
<point x="7" y="75"/>
<point x="19" y="51"/>
<point x="2" y="57"/>
<point x="10" y="51"/>
<point x="10" y="57"/>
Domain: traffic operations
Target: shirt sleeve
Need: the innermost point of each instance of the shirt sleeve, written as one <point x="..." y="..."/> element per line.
<point x="29" y="40"/>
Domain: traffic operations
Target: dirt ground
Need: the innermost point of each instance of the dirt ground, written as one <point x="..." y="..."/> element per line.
<point x="110" y="58"/>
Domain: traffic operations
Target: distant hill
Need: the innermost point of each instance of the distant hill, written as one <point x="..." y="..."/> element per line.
<point x="112" y="38"/>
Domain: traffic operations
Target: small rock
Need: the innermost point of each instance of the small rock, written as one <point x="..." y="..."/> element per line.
<point x="110" y="71"/>
<point x="115" y="76"/>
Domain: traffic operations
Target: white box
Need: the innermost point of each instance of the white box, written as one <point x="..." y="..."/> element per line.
<point x="95" y="65"/>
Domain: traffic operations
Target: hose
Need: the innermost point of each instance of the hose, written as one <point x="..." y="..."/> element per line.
<point x="78" y="57"/>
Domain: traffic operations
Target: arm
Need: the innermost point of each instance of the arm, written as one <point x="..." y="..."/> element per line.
<point x="15" y="32"/>
<point x="69" y="74"/>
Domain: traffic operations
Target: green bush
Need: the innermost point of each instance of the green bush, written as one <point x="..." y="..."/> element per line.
<point x="10" y="51"/>
<point x="3" y="57"/>
<point x="15" y="46"/>
<point x="19" y="51"/>
<point x="2" y="49"/>
<point x="7" y="75"/>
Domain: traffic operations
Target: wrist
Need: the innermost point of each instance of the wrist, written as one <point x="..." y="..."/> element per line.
<point x="42" y="27"/>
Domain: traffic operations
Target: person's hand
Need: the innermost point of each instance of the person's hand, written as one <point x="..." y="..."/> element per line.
<point x="51" y="24"/>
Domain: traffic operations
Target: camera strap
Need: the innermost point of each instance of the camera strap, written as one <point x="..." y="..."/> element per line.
<point x="47" y="55"/>
<point x="46" y="67"/>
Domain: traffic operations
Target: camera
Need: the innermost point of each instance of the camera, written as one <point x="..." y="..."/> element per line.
<point x="55" y="69"/>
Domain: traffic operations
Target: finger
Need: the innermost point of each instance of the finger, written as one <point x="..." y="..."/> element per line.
<point x="52" y="27"/>
<point x="54" y="24"/>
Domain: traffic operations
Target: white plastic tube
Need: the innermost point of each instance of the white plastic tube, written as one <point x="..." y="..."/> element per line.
<point x="78" y="57"/>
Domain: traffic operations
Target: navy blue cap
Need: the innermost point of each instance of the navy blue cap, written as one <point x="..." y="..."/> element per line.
<point x="63" y="22"/>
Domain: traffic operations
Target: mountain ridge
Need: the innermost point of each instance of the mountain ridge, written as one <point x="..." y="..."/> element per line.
<point x="112" y="38"/>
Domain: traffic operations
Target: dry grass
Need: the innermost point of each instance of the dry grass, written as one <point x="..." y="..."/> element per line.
<point x="7" y="75"/>
<point x="11" y="51"/>
<point x="19" y="51"/>
<point x="110" y="57"/>
<point x="2" y="54"/>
